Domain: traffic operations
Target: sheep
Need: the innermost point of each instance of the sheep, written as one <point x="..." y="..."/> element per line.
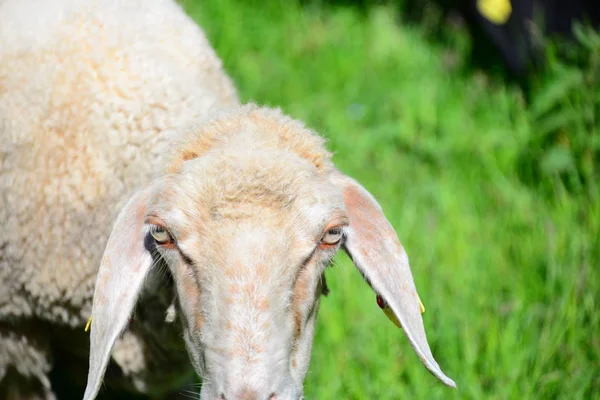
<point x="89" y="93"/>
<point x="193" y="229"/>
<point x="246" y="215"/>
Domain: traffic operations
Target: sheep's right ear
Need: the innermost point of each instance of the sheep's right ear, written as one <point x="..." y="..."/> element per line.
<point x="125" y="264"/>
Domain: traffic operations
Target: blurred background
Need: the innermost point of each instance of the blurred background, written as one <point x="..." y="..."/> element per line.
<point x="476" y="125"/>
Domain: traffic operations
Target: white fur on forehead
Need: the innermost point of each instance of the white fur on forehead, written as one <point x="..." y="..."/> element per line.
<point x="250" y="127"/>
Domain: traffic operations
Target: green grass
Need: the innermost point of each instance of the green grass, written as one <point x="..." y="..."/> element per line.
<point x="501" y="221"/>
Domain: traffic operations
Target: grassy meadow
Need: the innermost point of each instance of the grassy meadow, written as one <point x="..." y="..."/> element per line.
<point x="494" y="194"/>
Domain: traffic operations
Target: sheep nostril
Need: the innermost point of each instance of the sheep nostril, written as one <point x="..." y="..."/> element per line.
<point x="222" y="397"/>
<point x="273" y="396"/>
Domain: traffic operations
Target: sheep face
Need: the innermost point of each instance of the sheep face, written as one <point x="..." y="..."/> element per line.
<point x="247" y="238"/>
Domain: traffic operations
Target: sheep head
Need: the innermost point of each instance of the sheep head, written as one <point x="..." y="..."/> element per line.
<point x="246" y="216"/>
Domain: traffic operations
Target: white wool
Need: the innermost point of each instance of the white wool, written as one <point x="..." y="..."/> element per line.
<point x="90" y="92"/>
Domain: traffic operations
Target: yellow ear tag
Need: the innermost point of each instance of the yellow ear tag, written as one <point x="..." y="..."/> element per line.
<point x="89" y="322"/>
<point x="390" y="314"/>
<point x="495" y="11"/>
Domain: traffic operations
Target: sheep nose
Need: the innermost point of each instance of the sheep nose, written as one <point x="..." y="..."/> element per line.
<point x="248" y="394"/>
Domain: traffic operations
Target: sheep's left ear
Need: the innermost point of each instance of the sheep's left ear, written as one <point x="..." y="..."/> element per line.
<point x="374" y="247"/>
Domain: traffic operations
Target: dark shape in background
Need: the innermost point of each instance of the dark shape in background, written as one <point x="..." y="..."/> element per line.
<point x="512" y="47"/>
<point x="515" y="40"/>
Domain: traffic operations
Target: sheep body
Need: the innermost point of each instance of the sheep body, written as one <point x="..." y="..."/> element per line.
<point x="90" y="92"/>
<point x="91" y="95"/>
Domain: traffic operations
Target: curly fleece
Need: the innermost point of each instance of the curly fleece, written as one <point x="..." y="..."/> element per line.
<point x="90" y="92"/>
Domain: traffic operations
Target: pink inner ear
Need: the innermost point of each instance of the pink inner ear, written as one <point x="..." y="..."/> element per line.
<point x="370" y="227"/>
<point x="367" y="219"/>
<point x="375" y="239"/>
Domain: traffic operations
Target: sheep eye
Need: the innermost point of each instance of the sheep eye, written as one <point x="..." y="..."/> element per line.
<point x="160" y="234"/>
<point x="332" y="236"/>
